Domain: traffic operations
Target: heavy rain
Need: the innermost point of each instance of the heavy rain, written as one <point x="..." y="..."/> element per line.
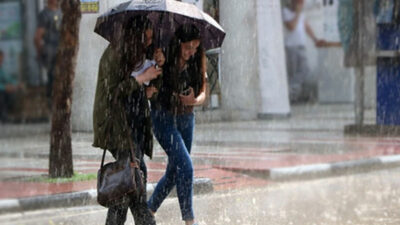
<point x="199" y="112"/>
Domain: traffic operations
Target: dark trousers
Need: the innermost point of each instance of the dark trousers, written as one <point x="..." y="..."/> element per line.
<point x="50" y="80"/>
<point x="117" y="215"/>
<point x="7" y="101"/>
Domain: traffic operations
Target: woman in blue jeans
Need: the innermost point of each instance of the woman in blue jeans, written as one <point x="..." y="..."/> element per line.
<point x="182" y="86"/>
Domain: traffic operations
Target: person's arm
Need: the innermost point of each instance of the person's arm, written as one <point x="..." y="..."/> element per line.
<point x="38" y="39"/>
<point x="310" y="33"/>
<point x="329" y="44"/>
<point x="320" y="42"/>
<point x="112" y="77"/>
<point x="202" y="96"/>
<point x="128" y="85"/>
<point x="149" y="74"/>
<point x="40" y="31"/>
<point x="155" y="85"/>
<point x="190" y="99"/>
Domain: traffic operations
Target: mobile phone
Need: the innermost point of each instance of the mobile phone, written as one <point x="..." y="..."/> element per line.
<point x="186" y="92"/>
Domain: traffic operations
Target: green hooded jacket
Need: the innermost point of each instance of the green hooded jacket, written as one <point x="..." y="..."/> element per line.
<point x="109" y="117"/>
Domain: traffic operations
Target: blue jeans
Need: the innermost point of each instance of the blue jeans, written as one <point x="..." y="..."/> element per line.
<point x="175" y="134"/>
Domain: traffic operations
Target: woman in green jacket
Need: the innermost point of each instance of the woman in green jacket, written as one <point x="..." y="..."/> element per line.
<point x="121" y="109"/>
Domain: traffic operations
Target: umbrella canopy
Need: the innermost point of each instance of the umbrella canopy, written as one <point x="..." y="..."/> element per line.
<point x="166" y="16"/>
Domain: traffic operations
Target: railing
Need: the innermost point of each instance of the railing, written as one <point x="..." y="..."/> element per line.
<point x="213" y="71"/>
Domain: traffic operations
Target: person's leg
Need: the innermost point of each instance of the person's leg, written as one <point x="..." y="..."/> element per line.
<point x="139" y="209"/>
<point x="163" y="124"/>
<point x="141" y="213"/>
<point x="3" y="106"/>
<point x="184" y="177"/>
<point x="116" y="215"/>
<point x="179" y="162"/>
<point x="50" y="81"/>
<point x="308" y="81"/>
<point x="185" y="124"/>
<point x="163" y="188"/>
<point x="293" y="79"/>
<point x="11" y="100"/>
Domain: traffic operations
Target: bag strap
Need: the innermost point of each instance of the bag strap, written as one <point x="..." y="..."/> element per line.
<point x="134" y="162"/>
<point x="102" y="159"/>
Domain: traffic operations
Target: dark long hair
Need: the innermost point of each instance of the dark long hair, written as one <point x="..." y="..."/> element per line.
<point x="132" y="45"/>
<point x="196" y="64"/>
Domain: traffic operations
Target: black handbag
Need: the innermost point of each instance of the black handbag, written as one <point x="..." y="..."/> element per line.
<point x="120" y="182"/>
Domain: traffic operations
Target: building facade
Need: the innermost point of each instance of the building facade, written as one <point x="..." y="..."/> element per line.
<point x="247" y="75"/>
<point x="245" y="89"/>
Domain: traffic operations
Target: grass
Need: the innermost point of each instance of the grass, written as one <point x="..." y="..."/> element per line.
<point x="76" y="177"/>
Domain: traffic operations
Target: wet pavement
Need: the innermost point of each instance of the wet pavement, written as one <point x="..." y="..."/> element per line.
<point x="224" y="151"/>
<point x="358" y="199"/>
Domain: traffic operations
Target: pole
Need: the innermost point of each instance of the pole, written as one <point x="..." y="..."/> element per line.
<point x="359" y="93"/>
<point x="360" y="70"/>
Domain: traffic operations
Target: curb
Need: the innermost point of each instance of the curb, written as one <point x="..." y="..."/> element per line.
<point x="372" y="130"/>
<point x="324" y="169"/>
<point x="88" y="197"/>
<point x="337" y="168"/>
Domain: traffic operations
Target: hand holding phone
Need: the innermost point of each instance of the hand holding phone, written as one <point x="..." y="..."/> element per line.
<point x="186" y="92"/>
<point x="187" y="97"/>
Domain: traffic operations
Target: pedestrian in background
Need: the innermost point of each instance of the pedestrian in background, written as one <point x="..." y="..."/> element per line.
<point x="297" y="28"/>
<point x="121" y="105"/>
<point x="46" y="40"/>
<point x="183" y="87"/>
<point x="9" y="88"/>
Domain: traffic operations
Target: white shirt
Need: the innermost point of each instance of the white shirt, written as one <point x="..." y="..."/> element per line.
<point x="296" y="37"/>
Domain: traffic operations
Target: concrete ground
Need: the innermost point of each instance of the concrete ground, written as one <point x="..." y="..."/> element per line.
<point x="234" y="155"/>
<point x="358" y="199"/>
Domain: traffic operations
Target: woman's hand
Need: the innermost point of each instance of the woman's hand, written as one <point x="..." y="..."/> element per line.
<point x="189" y="99"/>
<point x="320" y="43"/>
<point x="159" y="57"/>
<point x="149" y="74"/>
<point x="150" y="91"/>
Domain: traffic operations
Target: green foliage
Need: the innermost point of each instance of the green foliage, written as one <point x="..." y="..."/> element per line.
<point x="76" y="177"/>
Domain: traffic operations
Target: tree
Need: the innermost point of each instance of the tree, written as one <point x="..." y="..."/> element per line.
<point x="60" y="164"/>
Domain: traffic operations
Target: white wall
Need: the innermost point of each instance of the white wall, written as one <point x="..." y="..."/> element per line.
<point x="91" y="48"/>
<point x="271" y="56"/>
<point x="239" y="59"/>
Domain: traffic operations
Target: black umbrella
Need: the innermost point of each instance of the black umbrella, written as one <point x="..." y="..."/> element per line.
<point x="166" y="16"/>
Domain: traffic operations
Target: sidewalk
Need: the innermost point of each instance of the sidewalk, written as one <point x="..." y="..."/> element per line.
<point x="226" y="155"/>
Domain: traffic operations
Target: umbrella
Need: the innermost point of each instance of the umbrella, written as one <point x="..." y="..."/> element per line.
<point x="166" y="16"/>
